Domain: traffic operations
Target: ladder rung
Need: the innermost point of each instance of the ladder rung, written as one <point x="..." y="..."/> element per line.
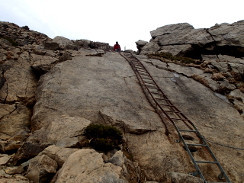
<point x="212" y="162"/>
<point x="148" y="83"/>
<point x="176" y="119"/>
<point x="167" y="105"/>
<point x="161" y="98"/>
<point x="150" y="86"/>
<point x="140" y="68"/>
<point x="145" y="74"/>
<point x="147" y="77"/>
<point x="141" y="71"/>
<point x="156" y="93"/>
<point x="187" y="130"/>
<point x="173" y="111"/>
<point x="196" y="144"/>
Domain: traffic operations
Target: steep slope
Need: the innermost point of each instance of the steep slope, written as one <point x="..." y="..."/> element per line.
<point x="72" y="84"/>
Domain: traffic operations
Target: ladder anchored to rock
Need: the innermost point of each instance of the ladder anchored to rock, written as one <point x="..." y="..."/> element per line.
<point x="167" y="111"/>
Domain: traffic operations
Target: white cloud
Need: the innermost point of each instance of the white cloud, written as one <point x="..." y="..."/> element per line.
<point x="109" y="21"/>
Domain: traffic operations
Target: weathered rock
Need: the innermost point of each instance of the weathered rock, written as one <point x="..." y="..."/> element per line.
<point x="50" y="45"/>
<point x="117" y="159"/>
<point x="182" y="39"/>
<point x="27" y="151"/>
<point x="82" y="43"/>
<point x="94" y="86"/>
<point x="182" y="178"/>
<point x="16" y="179"/>
<point x="41" y="169"/>
<point x="101" y="87"/>
<point x="65" y="56"/>
<point x="86" y="165"/>
<point x="176" y="49"/>
<point x="171" y="29"/>
<point x="221" y="66"/>
<point x="62" y="130"/>
<point x="207" y="111"/>
<point x="62" y="41"/>
<point x="14" y="126"/>
<point x="229" y="35"/>
<point x="17" y="169"/>
<point x="218" y="77"/>
<point x="4" y="159"/>
<point x="151" y="47"/>
<point x="237" y="94"/>
<point x="140" y="44"/>
<point x="16" y="35"/>
<point x="59" y="154"/>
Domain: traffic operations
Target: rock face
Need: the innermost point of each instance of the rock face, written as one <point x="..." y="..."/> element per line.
<point x="182" y="39"/>
<point x="51" y="90"/>
<point x="87" y="165"/>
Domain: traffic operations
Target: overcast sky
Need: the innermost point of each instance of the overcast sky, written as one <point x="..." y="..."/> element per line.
<point x="109" y="21"/>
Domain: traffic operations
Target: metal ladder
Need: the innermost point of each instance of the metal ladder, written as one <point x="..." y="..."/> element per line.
<point x="167" y="110"/>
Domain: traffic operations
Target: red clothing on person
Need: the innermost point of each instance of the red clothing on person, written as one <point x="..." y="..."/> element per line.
<point x="117" y="47"/>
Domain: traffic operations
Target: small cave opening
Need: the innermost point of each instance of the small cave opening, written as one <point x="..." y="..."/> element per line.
<point x="235" y="51"/>
<point x="212" y="49"/>
<point x="195" y="52"/>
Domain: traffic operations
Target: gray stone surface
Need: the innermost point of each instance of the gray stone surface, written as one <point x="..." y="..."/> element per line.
<point x="104" y="89"/>
<point x="87" y="85"/>
<point x="182" y="39"/>
<point x="59" y="154"/>
<point x="41" y="168"/>
<point x="62" y="41"/>
<point x="86" y="165"/>
<point x="171" y="29"/>
<point x="181" y="178"/>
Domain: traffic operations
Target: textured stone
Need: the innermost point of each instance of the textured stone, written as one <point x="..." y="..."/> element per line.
<point x="229" y="34"/>
<point x="62" y="41"/>
<point x="14" y="125"/>
<point x="86" y="165"/>
<point x="151" y="47"/>
<point x="50" y="45"/>
<point x="41" y="169"/>
<point x="176" y="49"/>
<point x="117" y="159"/>
<point x="72" y="83"/>
<point x="62" y="130"/>
<point x="171" y="29"/>
<point x="141" y="43"/>
<point x="59" y="154"/>
<point x="182" y="178"/>
<point x="182" y="39"/>
<point x="4" y="159"/>
<point x="17" y="179"/>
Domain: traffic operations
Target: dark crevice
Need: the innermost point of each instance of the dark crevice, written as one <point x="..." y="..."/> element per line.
<point x="2" y="80"/>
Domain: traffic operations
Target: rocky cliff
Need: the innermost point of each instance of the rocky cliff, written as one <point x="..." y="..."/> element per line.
<point x="51" y="90"/>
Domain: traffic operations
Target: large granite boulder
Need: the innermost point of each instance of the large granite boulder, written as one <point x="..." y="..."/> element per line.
<point x="87" y="165"/>
<point x="62" y="41"/>
<point x="184" y="40"/>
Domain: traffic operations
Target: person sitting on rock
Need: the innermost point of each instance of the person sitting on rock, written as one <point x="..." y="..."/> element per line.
<point x="117" y="47"/>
